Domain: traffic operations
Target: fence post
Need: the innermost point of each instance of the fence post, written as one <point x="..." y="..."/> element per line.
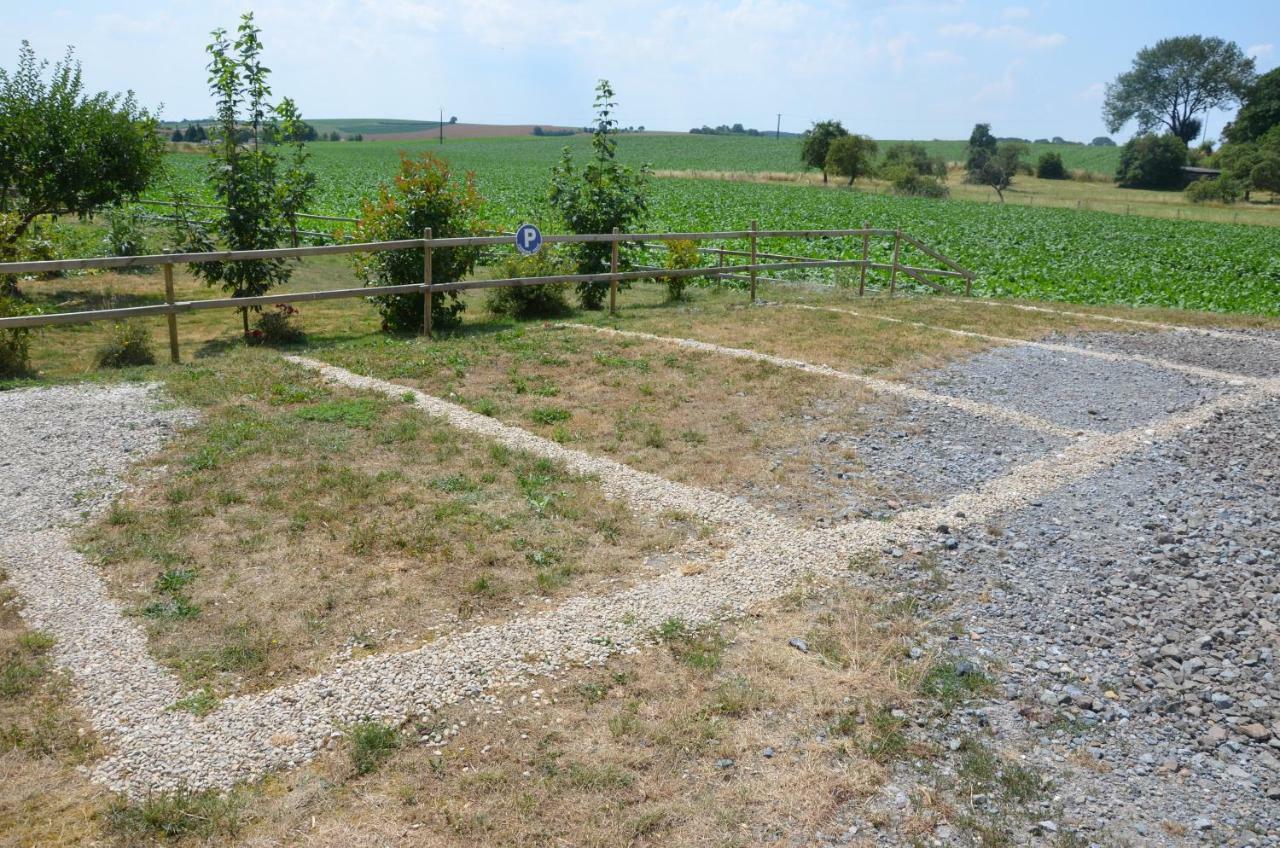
<point x="426" y="282"/>
<point x="171" y="317"/>
<point x="866" y="252"/>
<point x="720" y="276"/>
<point x="755" y="225"/>
<point x="897" y="249"/>
<point x="613" y="269"/>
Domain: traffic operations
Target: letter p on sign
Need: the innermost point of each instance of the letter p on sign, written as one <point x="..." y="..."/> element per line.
<point x="528" y="239"/>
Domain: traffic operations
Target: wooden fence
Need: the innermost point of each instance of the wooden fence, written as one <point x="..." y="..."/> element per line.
<point x="724" y="269"/>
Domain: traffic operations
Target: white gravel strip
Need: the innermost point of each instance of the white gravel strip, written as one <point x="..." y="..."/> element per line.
<point x="1153" y="362"/>
<point x="888" y="387"/>
<point x="1226" y="335"/>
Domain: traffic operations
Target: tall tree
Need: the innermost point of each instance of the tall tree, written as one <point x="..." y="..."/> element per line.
<point x="261" y="192"/>
<point x="816" y="142"/>
<point x="1259" y="110"/>
<point x="1177" y="79"/>
<point x="62" y="150"/>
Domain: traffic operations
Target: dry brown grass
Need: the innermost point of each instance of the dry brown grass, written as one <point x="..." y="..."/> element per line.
<point x="42" y="741"/>
<point x="745" y="428"/>
<point x="299" y="524"/>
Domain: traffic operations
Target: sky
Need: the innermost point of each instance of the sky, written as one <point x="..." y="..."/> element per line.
<point x="906" y="69"/>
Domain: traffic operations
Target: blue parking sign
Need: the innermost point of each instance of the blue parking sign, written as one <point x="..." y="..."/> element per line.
<point x="528" y="239"/>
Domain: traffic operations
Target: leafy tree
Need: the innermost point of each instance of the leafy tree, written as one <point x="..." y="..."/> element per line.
<point x="65" y="151"/>
<point x="603" y="194"/>
<point x="851" y="156"/>
<point x="1102" y="141"/>
<point x="981" y="149"/>
<point x="1050" y="167"/>
<point x="1177" y="79"/>
<point x="995" y="169"/>
<point x="453" y="119"/>
<point x="1260" y="110"/>
<point x="1152" y="161"/>
<point x="424" y="194"/>
<point x="1239" y="160"/>
<point x="1265" y="176"/>
<point x="816" y="141"/>
<point x="259" y="190"/>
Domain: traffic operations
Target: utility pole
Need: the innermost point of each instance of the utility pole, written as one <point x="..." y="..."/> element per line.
<point x="777" y="134"/>
<point x="442" y="125"/>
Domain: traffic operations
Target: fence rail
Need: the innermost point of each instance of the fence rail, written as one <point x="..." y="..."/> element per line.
<point x="749" y="271"/>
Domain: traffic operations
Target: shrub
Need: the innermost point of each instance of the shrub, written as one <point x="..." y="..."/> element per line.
<point x="424" y="194"/>
<point x="544" y="301"/>
<point x="905" y="181"/>
<point x="129" y="344"/>
<point x="1152" y="161"/>
<point x="1221" y="190"/>
<point x="681" y="253"/>
<point x="1050" y="167"/>
<point x="277" y="326"/>
<point x="15" y="344"/>
<point x="126" y="236"/>
<point x="371" y="743"/>
<point x="914" y="158"/>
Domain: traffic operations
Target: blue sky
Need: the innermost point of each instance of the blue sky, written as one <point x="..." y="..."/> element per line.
<point x="909" y="69"/>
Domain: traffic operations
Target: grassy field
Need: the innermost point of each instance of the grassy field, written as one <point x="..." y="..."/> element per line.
<point x="1017" y="249"/>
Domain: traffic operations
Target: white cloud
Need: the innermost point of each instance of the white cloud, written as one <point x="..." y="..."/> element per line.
<point x="1016" y="13"/>
<point x="1092" y="93"/>
<point x="1010" y="34"/>
<point x="1257" y="51"/>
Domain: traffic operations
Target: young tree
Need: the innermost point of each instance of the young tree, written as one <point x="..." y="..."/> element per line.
<point x="851" y="156"/>
<point x="176" y="135"/>
<point x="995" y="169"/>
<point x="62" y="150"/>
<point x="1050" y="167"/>
<point x="424" y="194"/>
<point x="603" y="194"/>
<point x="1259" y="111"/>
<point x="1177" y="79"/>
<point x="816" y="141"/>
<point x="260" y="191"/>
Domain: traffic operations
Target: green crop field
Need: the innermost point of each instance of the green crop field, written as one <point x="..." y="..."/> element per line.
<point x="1088" y="257"/>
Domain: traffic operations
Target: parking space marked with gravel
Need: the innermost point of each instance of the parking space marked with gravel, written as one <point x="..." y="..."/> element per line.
<point x="158" y="750"/>
<point x="1058" y="347"/>
<point x="887" y="387"/>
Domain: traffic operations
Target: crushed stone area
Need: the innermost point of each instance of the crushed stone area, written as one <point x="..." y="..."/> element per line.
<point x="1254" y="353"/>
<point x="1131" y="622"/>
<point x="67" y="451"/>
<point x="1071" y="390"/>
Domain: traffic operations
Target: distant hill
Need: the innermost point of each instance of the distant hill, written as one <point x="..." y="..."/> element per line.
<point x="393" y="129"/>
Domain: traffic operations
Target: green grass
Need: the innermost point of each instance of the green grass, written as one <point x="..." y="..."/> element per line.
<point x="371" y="743"/>
<point x="1016" y="251"/>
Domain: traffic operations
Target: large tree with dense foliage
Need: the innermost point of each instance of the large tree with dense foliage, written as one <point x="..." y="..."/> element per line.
<point x="1177" y="79"/>
<point x="601" y="195"/>
<point x="816" y="142"/>
<point x="260" y="190"/>
<point x="65" y="151"/>
<point x="852" y="156"/>
<point x="1252" y="163"/>
<point x="1259" y="110"/>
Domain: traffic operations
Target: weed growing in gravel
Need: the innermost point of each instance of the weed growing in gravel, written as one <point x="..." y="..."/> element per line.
<point x="698" y="648"/>
<point x="371" y="743"/>
<point x="199" y="703"/>
<point x="879" y="736"/>
<point x="205" y="815"/>
<point x="951" y="682"/>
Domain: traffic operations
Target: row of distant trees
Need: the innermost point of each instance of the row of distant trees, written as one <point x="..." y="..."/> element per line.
<point x="303" y="133"/>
